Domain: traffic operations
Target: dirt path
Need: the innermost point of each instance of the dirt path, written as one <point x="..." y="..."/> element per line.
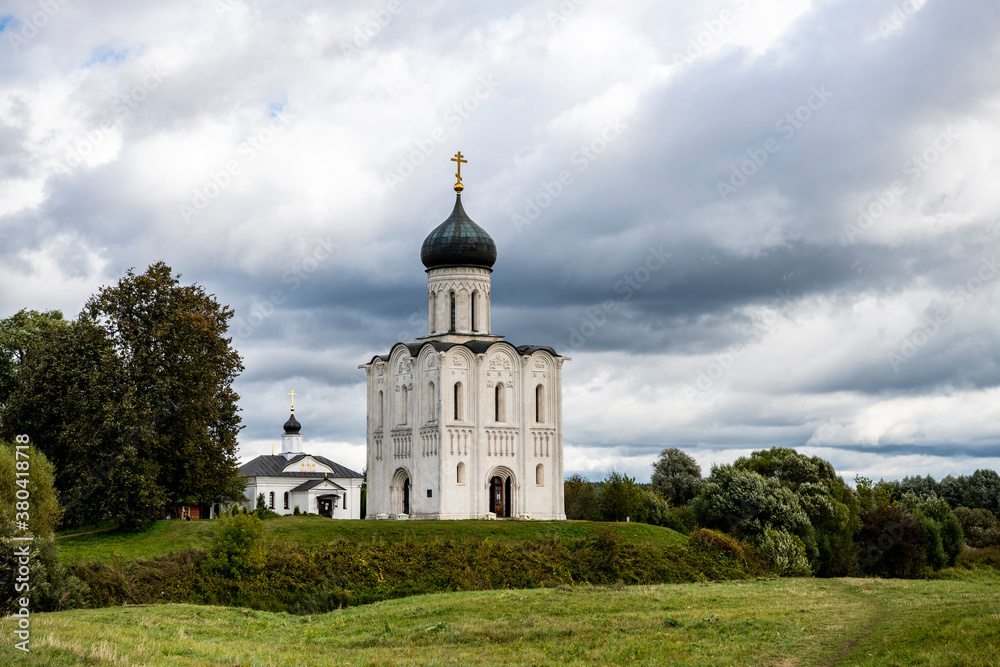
<point x="89" y="532"/>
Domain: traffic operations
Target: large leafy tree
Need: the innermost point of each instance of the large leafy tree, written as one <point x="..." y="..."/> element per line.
<point x="677" y="476"/>
<point x="829" y="503"/>
<point x="133" y="403"/>
<point x="581" y="499"/>
<point x="178" y="367"/>
<point x="20" y="334"/>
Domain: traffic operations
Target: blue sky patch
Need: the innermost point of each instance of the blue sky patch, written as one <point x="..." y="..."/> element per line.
<point x="7" y="22"/>
<point x="105" y="54"/>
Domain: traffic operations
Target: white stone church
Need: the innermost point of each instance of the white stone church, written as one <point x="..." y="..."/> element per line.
<point x="461" y="423"/>
<point x="314" y="484"/>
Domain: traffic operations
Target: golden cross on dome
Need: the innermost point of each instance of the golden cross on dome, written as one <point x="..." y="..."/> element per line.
<point x="293" y="395"/>
<point x="458" y="184"/>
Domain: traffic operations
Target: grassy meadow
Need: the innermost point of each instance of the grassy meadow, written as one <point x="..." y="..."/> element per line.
<point x="766" y="622"/>
<point x="313" y="531"/>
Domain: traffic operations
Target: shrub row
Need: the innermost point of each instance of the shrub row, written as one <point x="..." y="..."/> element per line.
<point x="346" y="573"/>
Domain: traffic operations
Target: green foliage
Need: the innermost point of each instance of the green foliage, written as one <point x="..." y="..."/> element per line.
<point x="580" y="499"/>
<point x="52" y="587"/>
<point x="980" y="527"/>
<point x="676" y="476"/>
<point x="44" y="511"/>
<point x="343" y="573"/>
<point x="826" y="499"/>
<point x="620" y="497"/>
<point x="261" y="503"/>
<point x="238" y="548"/>
<point x="940" y="530"/>
<point x="980" y="490"/>
<point x="20" y="335"/>
<point x="746" y="504"/>
<point x="177" y="367"/>
<point x="889" y="541"/>
<point x="924" y="487"/>
<point x="296" y="510"/>
<point x="785" y="553"/>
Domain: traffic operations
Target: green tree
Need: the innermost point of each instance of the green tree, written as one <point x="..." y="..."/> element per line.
<point x="178" y="367"/>
<point x="620" y="497"/>
<point x="20" y="334"/>
<point x="979" y="527"/>
<point x="580" y="499"/>
<point x="827" y="500"/>
<point x="676" y="476"/>
<point x="37" y="481"/>
<point x="746" y="504"/>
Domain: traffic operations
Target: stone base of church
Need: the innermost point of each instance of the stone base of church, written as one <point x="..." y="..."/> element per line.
<point x="464" y="517"/>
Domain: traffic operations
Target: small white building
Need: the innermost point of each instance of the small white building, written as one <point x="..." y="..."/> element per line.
<point x="462" y="424"/>
<point x="314" y="484"/>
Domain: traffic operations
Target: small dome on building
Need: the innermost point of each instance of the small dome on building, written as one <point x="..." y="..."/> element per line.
<point x="458" y="241"/>
<point x="292" y="426"/>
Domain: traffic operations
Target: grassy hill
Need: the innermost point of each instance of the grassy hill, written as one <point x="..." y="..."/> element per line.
<point x="312" y="531"/>
<point x="773" y="622"/>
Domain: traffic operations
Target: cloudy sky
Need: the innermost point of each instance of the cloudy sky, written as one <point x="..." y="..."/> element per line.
<point x="748" y="222"/>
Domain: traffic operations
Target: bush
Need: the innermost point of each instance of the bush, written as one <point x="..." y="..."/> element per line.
<point x="785" y="553"/>
<point x="52" y="587"/>
<point x="581" y="499"/>
<point x="296" y="510"/>
<point x="706" y="538"/>
<point x="620" y="497"/>
<point x="684" y="518"/>
<point x="980" y="527"/>
<point x="237" y="550"/>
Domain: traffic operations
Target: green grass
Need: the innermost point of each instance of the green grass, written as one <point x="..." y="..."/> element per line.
<point x="773" y="622"/>
<point x="312" y="531"/>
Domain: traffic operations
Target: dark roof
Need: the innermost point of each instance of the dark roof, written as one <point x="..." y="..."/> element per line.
<point x="292" y="426"/>
<point x="305" y="486"/>
<point x="458" y="241"/>
<point x="272" y="466"/>
<point x="477" y="347"/>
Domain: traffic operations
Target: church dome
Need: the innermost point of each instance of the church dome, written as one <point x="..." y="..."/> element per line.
<point x="292" y="426"/>
<point x="458" y="241"/>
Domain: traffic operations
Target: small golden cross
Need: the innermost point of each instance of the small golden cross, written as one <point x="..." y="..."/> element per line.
<point x="458" y="159"/>
<point x="293" y="395"/>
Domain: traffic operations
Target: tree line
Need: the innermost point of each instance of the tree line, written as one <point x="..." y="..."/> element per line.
<point x="798" y="512"/>
<point x="132" y="402"/>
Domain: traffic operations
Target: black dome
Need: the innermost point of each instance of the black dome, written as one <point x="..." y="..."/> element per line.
<point x="292" y="426"/>
<point x="458" y="241"/>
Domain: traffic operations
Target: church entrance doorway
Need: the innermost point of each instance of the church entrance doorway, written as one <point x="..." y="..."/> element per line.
<point x="500" y="496"/>
<point x="324" y="504"/>
<point x="406" y="496"/>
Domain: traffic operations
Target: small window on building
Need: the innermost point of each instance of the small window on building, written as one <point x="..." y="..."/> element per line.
<point x="461" y="473"/>
<point x="473" y="311"/>
<point x="539" y="475"/>
<point x="452" y="311"/>
<point x="458" y="401"/>
<point x="539" y="404"/>
<point x="286" y="499"/>
<point x="379" y="409"/>
<point x="429" y="493"/>
<point x="430" y="401"/>
<point x="498" y="404"/>
<point x="403" y="404"/>
<point x="270" y="500"/>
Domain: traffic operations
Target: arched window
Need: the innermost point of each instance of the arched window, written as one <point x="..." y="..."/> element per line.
<point x="379" y="409"/>
<point x="539" y="404"/>
<point x="458" y="401"/>
<point x="286" y="499"/>
<point x="499" y="404"/>
<point x="473" y="309"/>
<point x="270" y="500"/>
<point x="433" y="311"/>
<point x="539" y="475"/>
<point x="430" y="401"/>
<point x="461" y="473"/>
<point x="404" y="407"/>
<point x="452" y="311"/>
